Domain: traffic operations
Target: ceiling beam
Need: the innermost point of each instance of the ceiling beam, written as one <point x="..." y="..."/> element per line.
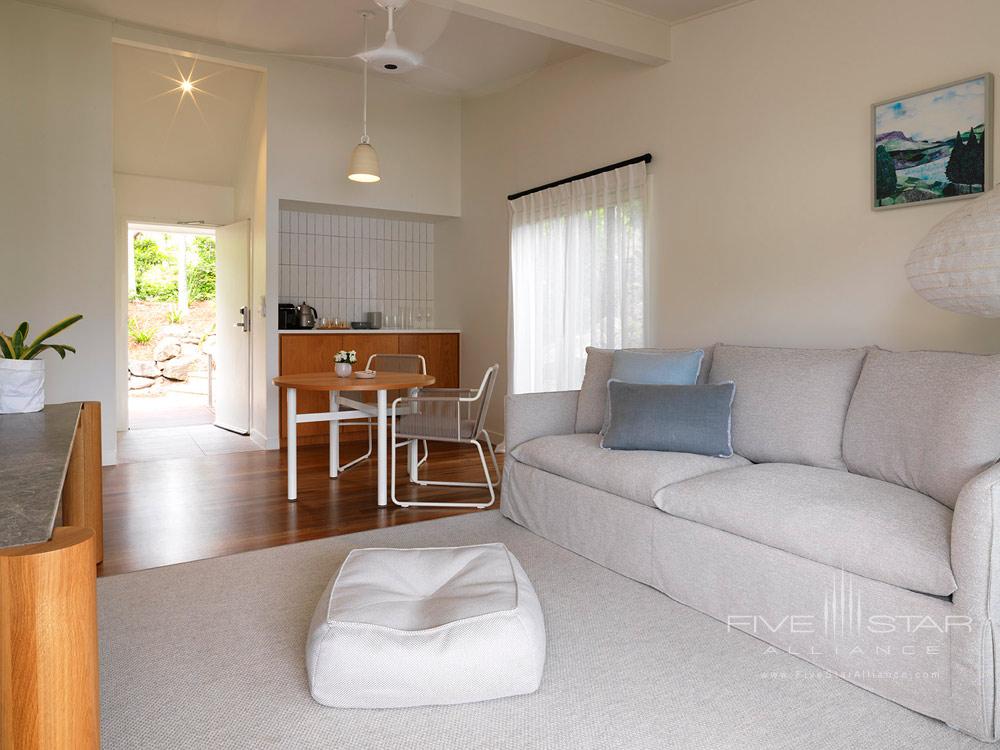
<point x="594" y="24"/>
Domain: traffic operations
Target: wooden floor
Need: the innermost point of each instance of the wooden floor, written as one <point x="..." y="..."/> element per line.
<point x="166" y="512"/>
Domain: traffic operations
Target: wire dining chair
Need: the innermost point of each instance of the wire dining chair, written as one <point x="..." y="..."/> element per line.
<point x="451" y="415"/>
<point x="408" y="363"/>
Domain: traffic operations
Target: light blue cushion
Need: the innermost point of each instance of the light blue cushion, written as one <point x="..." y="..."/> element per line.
<point x="677" y="418"/>
<point x="657" y="368"/>
<point x="654" y="368"/>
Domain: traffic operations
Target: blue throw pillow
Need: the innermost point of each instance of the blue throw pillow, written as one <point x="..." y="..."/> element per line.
<point x="657" y="368"/>
<point x="679" y="418"/>
<point x="654" y="368"/>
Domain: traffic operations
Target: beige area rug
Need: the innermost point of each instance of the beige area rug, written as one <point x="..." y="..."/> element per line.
<point x="210" y="654"/>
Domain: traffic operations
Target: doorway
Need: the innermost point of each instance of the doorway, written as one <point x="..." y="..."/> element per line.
<point x="188" y="341"/>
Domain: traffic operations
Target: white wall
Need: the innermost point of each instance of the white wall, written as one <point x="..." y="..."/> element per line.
<point x="139" y="198"/>
<point x="56" y="205"/>
<point x="759" y="128"/>
<point x="314" y="121"/>
<point x="154" y="199"/>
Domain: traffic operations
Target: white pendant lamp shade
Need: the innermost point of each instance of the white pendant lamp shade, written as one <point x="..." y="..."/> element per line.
<point x="364" y="164"/>
<point x="957" y="265"/>
<point x="364" y="160"/>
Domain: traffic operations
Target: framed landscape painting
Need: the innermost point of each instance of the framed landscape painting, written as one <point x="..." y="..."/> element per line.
<point x="934" y="145"/>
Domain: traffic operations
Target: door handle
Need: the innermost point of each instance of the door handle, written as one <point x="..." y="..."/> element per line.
<point x="245" y="323"/>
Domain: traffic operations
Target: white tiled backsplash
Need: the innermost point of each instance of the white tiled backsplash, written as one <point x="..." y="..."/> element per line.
<point x="347" y="266"/>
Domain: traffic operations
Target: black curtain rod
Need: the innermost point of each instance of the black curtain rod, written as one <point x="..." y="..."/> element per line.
<point x="645" y="158"/>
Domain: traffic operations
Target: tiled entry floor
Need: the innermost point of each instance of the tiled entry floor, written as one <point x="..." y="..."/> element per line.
<point x="165" y="443"/>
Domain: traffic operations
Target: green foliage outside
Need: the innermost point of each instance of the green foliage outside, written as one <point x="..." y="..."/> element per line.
<point x="156" y="259"/>
<point x="138" y="334"/>
<point x="201" y="275"/>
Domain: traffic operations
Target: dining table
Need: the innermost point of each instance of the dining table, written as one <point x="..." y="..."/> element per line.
<point x="342" y="408"/>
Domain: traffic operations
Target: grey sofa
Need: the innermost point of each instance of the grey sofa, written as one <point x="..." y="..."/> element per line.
<point x="855" y="527"/>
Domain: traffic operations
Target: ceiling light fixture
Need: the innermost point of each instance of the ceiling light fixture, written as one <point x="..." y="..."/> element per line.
<point x="186" y="86"/>
<point x="364" y="160"/>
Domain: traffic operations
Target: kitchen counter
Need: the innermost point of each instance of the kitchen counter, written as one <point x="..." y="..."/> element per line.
<point x="36" y="450"/>
<point x="51" y="541"/>
<point x="284" y="331"/>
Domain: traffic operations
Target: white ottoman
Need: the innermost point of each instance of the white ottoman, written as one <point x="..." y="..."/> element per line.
<point x="416" y="627"/>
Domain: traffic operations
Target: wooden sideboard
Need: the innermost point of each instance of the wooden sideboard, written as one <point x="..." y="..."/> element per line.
<point x="314" y="351"/>
<point x="51" y="540"/>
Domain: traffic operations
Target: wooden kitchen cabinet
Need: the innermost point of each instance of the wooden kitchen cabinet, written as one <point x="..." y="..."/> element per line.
<point x="314" y="352"/>
<point x="441" y="352"/>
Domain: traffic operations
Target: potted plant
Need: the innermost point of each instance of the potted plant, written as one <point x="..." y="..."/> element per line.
<point x="342" y="362"/>
<point x="22" y="374"/>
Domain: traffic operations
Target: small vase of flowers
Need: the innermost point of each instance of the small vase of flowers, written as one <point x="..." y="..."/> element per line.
<point x="343" y="361"/>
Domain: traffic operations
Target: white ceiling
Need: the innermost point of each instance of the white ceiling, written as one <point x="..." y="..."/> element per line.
<point x="160" y="133"/>
<point x="462" y="54"/>
<point x="675" y="10"/>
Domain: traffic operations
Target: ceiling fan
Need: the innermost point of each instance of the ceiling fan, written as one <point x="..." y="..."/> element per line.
<point x="390" y="57"/>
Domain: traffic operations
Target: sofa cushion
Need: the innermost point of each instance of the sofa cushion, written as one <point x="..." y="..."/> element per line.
<point x="652" y="368"/>
<point x="684" y="418"/>
<point x="865" y="526"/>
<point x="593" y="399"/>
<point x="636" y="475"/>
<point x="929" y="421"/>
<point x="790" y="404"/>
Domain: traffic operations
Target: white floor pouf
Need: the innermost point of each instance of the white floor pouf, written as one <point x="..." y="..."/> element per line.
<point x="416" y="627"/>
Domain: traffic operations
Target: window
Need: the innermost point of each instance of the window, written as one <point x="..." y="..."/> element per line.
<point x="577" y="276"/>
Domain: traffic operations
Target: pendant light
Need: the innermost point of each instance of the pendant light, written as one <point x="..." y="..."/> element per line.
<point x="364" y="160"/>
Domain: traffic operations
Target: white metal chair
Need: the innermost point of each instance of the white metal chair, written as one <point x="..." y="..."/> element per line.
<point x="452" y="415"/>
<point x="410" y="363"/>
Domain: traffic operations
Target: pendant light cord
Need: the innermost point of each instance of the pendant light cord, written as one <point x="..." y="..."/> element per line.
<point x="364" y="100"/>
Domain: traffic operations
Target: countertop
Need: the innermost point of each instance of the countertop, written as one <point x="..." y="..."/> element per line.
<point x="368" y="330"/>
<point x="35" y="449"/>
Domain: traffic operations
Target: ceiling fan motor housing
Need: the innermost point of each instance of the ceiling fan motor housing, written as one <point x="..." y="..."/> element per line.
<point x="390" y="57"/>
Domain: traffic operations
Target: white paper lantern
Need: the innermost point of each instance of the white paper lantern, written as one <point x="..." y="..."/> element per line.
<point x="957" y="265"/>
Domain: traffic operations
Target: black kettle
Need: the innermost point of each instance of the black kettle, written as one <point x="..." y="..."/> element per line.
<point x="307" y="315"/>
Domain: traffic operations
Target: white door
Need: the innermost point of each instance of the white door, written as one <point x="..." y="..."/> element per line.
<point x="231" y="379"/>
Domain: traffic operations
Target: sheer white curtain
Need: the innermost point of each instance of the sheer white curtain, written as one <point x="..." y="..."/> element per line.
<point x="577" y="276"/>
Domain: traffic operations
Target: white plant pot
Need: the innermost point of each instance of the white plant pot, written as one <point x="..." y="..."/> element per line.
<point x="22" y="385"/>
<point x="343" y="369"/>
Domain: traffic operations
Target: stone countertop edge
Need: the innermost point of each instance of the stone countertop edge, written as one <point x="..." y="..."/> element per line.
<point x="36" y="448"/>
<point x="299" y="331"/>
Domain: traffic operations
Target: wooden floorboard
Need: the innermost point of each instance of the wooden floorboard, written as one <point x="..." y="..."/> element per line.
<point x="167" y="512"/>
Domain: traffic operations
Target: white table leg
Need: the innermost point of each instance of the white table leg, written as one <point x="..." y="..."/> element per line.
<point x="411" y="450"/>
<point x="291" y="458"/>
<point x="334" y="438"/>
<point x="383" y="422"/>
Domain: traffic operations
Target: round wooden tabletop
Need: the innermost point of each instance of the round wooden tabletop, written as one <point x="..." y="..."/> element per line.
<point x="328" y="381"/>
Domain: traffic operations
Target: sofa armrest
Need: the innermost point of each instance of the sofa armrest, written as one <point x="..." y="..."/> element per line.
<point x="531" y="415"/>
<point x="975" y="546"/>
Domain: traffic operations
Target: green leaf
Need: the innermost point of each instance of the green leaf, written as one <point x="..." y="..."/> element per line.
<point x="19" y="334"/>
<point x="6" y="346"/>
<point x="38" y="346"/>
<point x="60" y="326"/>
<point x="59" y="349"/>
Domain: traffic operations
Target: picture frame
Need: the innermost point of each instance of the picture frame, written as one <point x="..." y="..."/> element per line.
<point x="915" y="157"/>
